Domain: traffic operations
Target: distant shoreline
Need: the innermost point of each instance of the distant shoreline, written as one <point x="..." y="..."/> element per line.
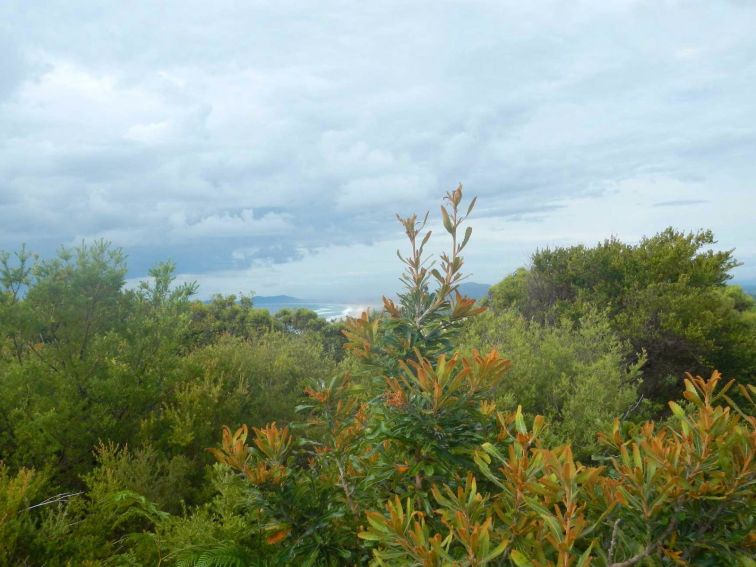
<point x="326" y="310"/>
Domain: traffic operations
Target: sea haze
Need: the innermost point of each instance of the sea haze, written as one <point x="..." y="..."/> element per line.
<point x="335" y="310"/>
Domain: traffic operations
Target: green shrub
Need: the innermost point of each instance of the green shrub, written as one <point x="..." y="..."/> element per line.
<point x="666" y="296"/>
<point x="576" y="375"/>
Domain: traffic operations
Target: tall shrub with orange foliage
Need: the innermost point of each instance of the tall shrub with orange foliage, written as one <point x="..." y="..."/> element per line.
<point x="409" y="462"/>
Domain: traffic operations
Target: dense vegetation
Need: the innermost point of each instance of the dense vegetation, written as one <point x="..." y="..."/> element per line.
<point x="435" y="432"/>
<point x="665" y="296"/>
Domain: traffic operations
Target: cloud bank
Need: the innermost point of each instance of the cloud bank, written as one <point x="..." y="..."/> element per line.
<point x="266" y="146"/>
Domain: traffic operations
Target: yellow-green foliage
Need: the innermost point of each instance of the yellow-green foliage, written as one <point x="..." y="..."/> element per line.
<point x="579" y="376"/>
<point x="18" y="493"/>
<point x="237" y="381"/>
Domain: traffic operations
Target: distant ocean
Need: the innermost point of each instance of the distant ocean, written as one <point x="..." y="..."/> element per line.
<point x="329" y="311"/>
<point x="334" y="311"/>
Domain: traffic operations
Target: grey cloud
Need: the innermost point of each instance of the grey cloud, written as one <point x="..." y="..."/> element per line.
<point x="222" y="135"/>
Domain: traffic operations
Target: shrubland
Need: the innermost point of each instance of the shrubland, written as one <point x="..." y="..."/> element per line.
<point x="140" y="427"/>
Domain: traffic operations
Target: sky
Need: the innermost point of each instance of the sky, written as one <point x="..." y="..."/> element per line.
<point x="265" y="146"/>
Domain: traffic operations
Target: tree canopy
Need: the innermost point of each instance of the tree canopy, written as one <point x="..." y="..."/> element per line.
<point x="668" y="296"/>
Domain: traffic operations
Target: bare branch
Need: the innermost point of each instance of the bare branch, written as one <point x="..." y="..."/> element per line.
<point x="62" y="497"/>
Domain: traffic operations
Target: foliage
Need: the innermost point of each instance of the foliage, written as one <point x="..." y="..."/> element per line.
<point x="84" y="527"/>
<point x="227" y="315"/>
<point x="473" y="485"/>
<point x="303" y="321"/>
<point x="90" y="362"/>
<point x="666" y="296"/>
<point x="82" y="359"/>
<point x="681" y="494"/>
<point x="412" y="448"/>
<point x="426" y="322"/>
<point x="576" y="375"/>
<point x="17" y="527"/>
<point x="234" y="381"/>
<point x="237" y="317"/>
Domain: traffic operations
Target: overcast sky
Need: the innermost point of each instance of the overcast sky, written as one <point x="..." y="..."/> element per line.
<point x="266" y="145"/>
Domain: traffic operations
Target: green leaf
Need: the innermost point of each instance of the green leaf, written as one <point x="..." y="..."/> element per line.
<point x="520" y="559"/>
<point x="498" y="550"/>
<point x="468" y="234"/>
<point x="447" y="221"/>
<point x="554" y="526"/>
<point x="585" y="558"/>
<point x="637" y="459"/>
<point x="676" y="409"/>
<point x="520" y="421"/>
<point x="378" y="524"/>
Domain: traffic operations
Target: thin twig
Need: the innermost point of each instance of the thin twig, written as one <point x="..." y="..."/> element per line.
<point x="62" y="497"/>
<point x="632" y="409"/>
<point x="613" y="543"/>
<point x="650" y="548"/>
<point x="345" y="488"/>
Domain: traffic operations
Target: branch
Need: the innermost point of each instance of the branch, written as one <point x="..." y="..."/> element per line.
<point x="650" y="548"/>
<point x="41" y="358"/>
<point x="632" y="408"/>
<point x="345" y="488"/>
<point x="62" y="497"/>
<point x="613" y="543"/>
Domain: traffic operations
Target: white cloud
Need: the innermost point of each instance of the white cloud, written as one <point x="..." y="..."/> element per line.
<point x="394" y="190"/>
<point x="270" y="135"/>
<point x="149" y="133"/>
